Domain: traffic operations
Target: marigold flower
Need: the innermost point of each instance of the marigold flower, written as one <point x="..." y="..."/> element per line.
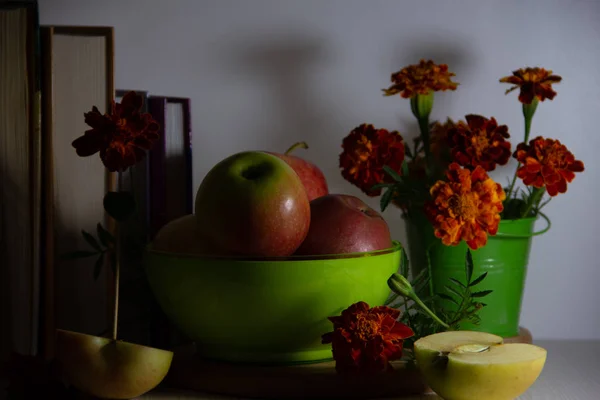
<point x="466" y="207"/>
<point x="479" y="141"/>
<point x="366" y="151"/>
<point x="366" y="339"/>
<point x="547" y="162"/>
<point x="438" y="138"/>
<point x="534" y="82"/>
<point x="421" y="78"/>
<point x="121" y="136"/>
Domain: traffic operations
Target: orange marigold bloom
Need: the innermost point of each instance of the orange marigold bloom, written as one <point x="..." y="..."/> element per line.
<point x="121" y="136"/>
<point x="479" y="141"/>
<point x="466" y="207"/>
<point x="534" y="82"/>
<point x="547" y="162"/>
<point x="366" y="339"/>
<point x="421" y="78"/>
<point x="366" y="151"/>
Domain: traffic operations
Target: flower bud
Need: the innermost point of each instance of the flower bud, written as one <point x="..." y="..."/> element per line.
<point x="400" y="285"/>
<point x="421" y="105"/>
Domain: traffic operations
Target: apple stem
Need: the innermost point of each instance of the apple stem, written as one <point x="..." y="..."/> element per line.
<point x="293" y="147"/>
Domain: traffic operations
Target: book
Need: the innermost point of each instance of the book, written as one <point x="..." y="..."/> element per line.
<point x="78" y="73"/>
<point x="171" y="195"/>
<point x="20" y="179"/>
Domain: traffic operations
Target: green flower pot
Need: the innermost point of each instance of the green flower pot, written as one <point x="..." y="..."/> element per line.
<point x="505" y="258"/>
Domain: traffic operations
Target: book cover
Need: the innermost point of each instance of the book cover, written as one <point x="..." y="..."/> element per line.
<point x="20" y="179"/>
<point x="78" y="73"/>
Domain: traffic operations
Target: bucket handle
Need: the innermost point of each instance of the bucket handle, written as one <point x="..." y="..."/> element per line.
<point x="520" y="236"/>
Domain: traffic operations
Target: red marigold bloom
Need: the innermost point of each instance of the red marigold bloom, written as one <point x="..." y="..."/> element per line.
<point x="547" y="162"/>
<point x="466" y="207"/>
<point x="534" y="82"/>
<point x="479" y="141"/>
<point x="366" y="151"/>
<point x="121" y="136"/>
<point x="421" y="78"/>
<point x="366" y="339"/>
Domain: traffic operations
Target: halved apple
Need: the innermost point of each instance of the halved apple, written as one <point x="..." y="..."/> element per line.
<point x="467" y="365"/>
<point x="107" y="368"/>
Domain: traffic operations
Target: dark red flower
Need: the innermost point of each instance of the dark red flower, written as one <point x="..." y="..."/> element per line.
<point x="366" y="151"/>
<point x="480" y="141"/>
<point x="534" y="83"/>
<point x="122" y="136"/>
<point x="366" y="339"/>
<point x="547" y="162"/>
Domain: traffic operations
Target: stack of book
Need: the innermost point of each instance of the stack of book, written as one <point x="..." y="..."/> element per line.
<point x="48" y="194"/>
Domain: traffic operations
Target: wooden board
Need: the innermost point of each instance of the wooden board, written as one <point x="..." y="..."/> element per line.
<point x="524" y="336"/>
<point x="320" y="380"/>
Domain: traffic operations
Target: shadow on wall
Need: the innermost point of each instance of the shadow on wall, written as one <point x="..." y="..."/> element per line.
<point x="286" y="67"/>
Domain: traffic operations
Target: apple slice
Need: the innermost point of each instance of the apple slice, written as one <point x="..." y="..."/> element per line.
<point x="466" y="365"/>
<point x="108" y="368"/>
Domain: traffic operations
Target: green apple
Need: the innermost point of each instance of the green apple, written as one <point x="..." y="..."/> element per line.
<point x="107" y="368"/>
<point x="253" y="203"/>
<point x="466" y="365"/>
<point x="182" y="236"/>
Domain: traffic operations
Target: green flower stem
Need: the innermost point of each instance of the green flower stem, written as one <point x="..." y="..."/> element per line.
<point x="118" y="264"/>
<point x="528" y="111"/>
<point x="536" y="197"/>
<point x="401" y="286"/>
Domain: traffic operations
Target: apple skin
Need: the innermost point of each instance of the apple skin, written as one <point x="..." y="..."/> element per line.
<point x="107" y="368"/>
<point x="342" y="224"/>
<point x="253" y="204"/>
<point x="504" y="373"/>
<point x="311" y="176"/>
<point x="182" y="236"/>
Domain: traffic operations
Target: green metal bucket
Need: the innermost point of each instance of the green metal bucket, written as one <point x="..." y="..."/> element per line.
<point x="504" y="258"/>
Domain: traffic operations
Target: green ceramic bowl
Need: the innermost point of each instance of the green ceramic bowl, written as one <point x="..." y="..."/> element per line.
<point x="266" y="310"/>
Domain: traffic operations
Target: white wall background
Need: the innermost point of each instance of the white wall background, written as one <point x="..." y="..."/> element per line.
<point x="264" y="74"/>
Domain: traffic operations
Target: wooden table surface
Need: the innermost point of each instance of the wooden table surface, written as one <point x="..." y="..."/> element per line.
<point x="572" y="372"/>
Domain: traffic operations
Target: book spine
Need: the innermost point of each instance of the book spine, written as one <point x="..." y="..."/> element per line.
<point x="157" y="106"/>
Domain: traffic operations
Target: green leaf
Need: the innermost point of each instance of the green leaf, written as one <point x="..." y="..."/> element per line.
<point x="405" y="171"/>
<point x="396" y="176"/>
<point x="98" y="266"/>
<point x="386" y="198"/>
<point x="459" y="283"/>
<point x="78" y="254"/>
<point x="105" y="236"/>
<point x="91" y="240"/>
<point x="478" y="280"/>
<point x="119" y="205"/>
<point x="456" y="292"/>
<point x="447" y="297"/>
<point x="469" y="265"/>
<point x="483" y="293"/>
<point x="404" y="264"/>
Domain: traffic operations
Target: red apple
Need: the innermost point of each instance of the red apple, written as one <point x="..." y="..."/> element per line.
<point x="342" y="224"/>
<point x="311" y="176"/>
<point x="182" y="236"/>
<point x="253" y="203"/>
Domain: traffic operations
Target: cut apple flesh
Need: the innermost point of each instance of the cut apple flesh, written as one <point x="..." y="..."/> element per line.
<point x="465" y="365"/>
<point x="107" y="368"/>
